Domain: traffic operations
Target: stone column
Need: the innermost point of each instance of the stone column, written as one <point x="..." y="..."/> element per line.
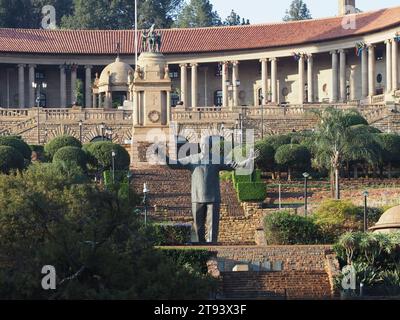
<point x="88" y="87"/>
<point x="342" y="77"/>
<point x="235" y="79"/>
<point x="31" y="88"/>
<point x="21" y="86"/>
<point x="184" y="85"/>
<point x="135" y="108"/>
<point x="301" y="79"/>
<point x="335" y="62"/>
<point x="194" y="85"/>
<point x="310" y="78"/>
<point x="352" y="83"/>
<point x="264" y="80"/>
<point x="371" y="71"/>
<point x="169" y="115"/>
<point x="73" y="84"/>
<point x="364" y="73"/>
<point x="108" y="100"/>
<point x="205" y="69"/>
<point x="225" y="71"/>
<point x="63" y="90"/>
<point x="274" y="80"/>
<point x="94" y="102"/>
<point x="395" y="64"/>
<point x="388" y="66"/>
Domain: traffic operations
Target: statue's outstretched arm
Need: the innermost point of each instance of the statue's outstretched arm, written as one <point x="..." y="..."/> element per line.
<point x="243" y="164"/>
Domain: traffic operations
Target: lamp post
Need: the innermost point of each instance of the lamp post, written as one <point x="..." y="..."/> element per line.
<point x="365" y="194"/>
<point x="145" y="193"/>
<point x="80" y="130"/>
<point x="38" y="88"/>
<point x="306" y="176"/>
<point x="113" y="154"/>
<point x="262" y="116"/>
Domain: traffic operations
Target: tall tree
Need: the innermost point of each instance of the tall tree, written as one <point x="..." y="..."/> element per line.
<point x="97" y="14"/>
<point x="16" y="14"/>
<point x="28" y="13"/>
<point x="298" y="11"/>
<point x="198" y="13"/>
<point x="119" y="14"/>
<point x="162" y="13"/>
<point x="340" y="139"/>
<point x="234" y="20"/>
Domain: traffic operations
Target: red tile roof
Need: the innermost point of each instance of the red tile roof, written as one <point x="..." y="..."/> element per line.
<point x="196" y="40"/>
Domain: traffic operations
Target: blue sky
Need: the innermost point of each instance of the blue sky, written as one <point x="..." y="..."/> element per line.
<point x="259" y="11"/>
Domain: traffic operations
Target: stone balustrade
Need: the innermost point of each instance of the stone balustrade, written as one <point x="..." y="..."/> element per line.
<point x="34" y="123"/>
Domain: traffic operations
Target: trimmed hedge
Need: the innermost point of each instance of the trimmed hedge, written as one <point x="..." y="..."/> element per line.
<point x="251" y="191"/>
<point x="71" y="155"/>
<point x="250" y="187"/>
<point x="17" y="143"/>
<point x="196" y="259"/>
<point x="285" y="228"/>
<point x="254" y="177"/>
<point x="10" y="158"/>
<point x="171" y="234"/>
<point x="100" y="155"/>
<point x="60" y="142"/>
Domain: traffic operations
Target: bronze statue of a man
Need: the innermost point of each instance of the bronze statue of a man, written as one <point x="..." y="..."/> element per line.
<point x="206" y="196"/>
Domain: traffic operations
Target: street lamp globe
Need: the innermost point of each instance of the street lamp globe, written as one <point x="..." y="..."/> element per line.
<point x="365" y="193"/>
<point x="145" y="189"/>
<point x="306" y="175"/>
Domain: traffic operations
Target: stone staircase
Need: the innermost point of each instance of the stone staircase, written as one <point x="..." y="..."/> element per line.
<point x="170" y="193"/>
<point x="276" y="285"/>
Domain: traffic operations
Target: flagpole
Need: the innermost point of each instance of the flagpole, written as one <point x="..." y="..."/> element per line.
<point x="136" y="35"/>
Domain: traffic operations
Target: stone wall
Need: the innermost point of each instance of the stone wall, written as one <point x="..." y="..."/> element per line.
<point x="289" y="258"/>
<point x="276" y="285"/>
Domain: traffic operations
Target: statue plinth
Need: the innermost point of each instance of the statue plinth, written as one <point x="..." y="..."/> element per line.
<point x="150" y="89"/>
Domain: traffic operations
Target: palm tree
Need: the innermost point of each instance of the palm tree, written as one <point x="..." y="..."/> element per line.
<point x="342" y="136"/>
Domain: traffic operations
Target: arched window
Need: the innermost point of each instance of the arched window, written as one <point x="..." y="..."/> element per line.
<point x="218" y="98"/>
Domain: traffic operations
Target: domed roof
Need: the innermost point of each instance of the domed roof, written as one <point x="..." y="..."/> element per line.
<point x="389" y="221"/>
<point x="115" y="74"/>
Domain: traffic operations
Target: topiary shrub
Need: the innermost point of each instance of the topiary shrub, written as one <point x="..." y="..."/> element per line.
<point x="18" y="144"/>
<point x="100" y="153"/>
<point x="285" y="228"/>
<point x="10" y="158"/>
<point x="60" y="142"/>
<point x="251" y="191"/>
<point x="71" y="155"/>
<point x="292" y="157"/>
<point x="266" y="160"/>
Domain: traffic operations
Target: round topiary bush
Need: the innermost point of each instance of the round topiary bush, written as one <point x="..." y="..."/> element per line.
<point x="10" y="158"/>
<point x="101" y="153"/>
<point x="293" y="157"/>
<point x="71" y="155"/>
<point x="19" y="144"/>
<point x="60" y="142"/>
